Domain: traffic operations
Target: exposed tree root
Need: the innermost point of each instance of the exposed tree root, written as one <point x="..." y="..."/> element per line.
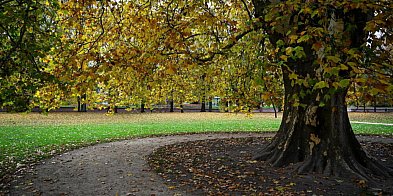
<point x="361" y="166"/>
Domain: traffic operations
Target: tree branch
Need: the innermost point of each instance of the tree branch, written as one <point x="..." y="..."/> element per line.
<point x="101" y="25"/>
<point x="248" y="11"/>
<point x="5" y="2"/>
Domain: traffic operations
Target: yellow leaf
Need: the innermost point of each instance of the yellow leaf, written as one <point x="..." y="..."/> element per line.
<point x="171" y="70"/>
<point x="288" y="50"/>
<point x="293" y="38"/>
<point x="265" y="97"/>
<point x="343" y="67"/>
<point x="293" y="76"/>
<point x="284" y="57"/>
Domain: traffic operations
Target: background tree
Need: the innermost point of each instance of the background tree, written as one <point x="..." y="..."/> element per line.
<point x="27" y="31"/>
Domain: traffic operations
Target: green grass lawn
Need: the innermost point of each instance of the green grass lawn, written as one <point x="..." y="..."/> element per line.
<point x="26" y="138"/>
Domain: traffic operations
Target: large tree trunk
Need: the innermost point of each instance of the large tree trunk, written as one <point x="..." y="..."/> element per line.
<point x="320" y="139"/>
<point x="315" y="131"/>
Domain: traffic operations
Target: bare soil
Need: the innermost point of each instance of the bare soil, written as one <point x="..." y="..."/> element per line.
<point x="199" y="164"/>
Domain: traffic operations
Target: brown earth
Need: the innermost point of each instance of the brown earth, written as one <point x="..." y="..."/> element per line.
<point x="226" y="167"/>
<point x="197" y="164"/>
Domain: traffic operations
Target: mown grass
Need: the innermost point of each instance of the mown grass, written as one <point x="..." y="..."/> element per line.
<point x="26" y="138"/>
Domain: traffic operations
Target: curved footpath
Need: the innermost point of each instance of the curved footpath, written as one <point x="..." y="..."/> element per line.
<point x="117" y="168"/>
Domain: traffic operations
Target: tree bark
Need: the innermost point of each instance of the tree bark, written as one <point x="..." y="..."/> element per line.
<point x="203" y="106"/>
<point x="210" y="105"/>
<point x="81" y="105"/>
<point x="319" y="138"/>
<point x="274" y="107"/>
<point x="171" y="106"/>
<point x="142" y="107"/>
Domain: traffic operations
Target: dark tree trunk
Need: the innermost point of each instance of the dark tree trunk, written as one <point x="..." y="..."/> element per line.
<point x="320" y="139"/>
<point x="317" y="136"/>
<point x="81" y="105"/>
<point x="226" y="106"/>
<point x="210" y="105"/>
<point x="171" y="106"/>
<point x="203" y="106"/>
<point x="364" y="106"/>
<point x="142" y="107"/>
<point x="274" y="107"/>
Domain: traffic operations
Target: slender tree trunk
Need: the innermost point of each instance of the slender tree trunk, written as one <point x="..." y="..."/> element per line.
<point x="274" y="107"/>
<point x="210" y="105"/>
<point x="142" y="106"/>
<point x="203" y="106"/>
<point x="364" y="106"/>
<point x="84" y="105"/>
<point x="171" y="106"/>
<point x="81" y="105"/>
<point x="356" y="97"/>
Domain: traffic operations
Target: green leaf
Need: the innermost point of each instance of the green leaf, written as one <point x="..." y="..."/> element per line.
<point x="320" y="85"/>
<point x="292" y="76"/>
<point x="280" y="43"/>
<point x="299" y="52"/>
<point x="334" y="59"/>
<point x="352" y="64"/>
<point x="374" y="91"/>
<point x="344" y="83"/>
<point x="304" y="38"/>
<point x="259" y="81"/>
<point x="343" y="67"/>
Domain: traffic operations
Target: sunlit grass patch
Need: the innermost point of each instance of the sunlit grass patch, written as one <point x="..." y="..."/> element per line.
<point x="30" y="137"/>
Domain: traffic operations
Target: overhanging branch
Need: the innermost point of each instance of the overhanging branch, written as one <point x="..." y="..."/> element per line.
<point x="232" y="43"/>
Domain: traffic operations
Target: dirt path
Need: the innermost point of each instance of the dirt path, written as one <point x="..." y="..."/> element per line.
<point x="117" y="168"/>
